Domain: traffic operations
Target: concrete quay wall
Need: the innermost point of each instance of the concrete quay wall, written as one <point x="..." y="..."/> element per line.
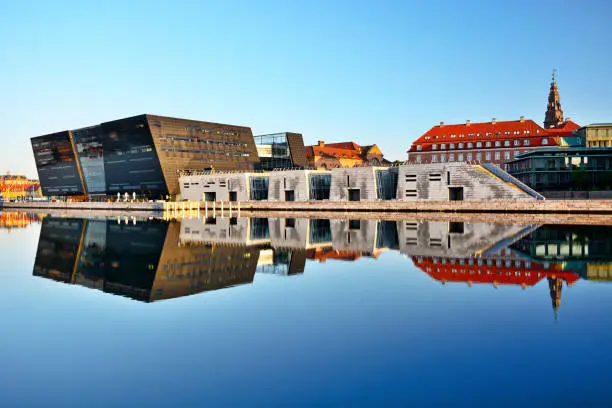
<point x="486" y="206"/>
<point x="92" y="206"/>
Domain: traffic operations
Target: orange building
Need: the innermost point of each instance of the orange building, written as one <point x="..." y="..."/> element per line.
<point x="346" y="154"/>
<point x="12" y="187"/>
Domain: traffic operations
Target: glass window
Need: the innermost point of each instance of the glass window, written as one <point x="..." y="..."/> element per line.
<point x="478" y="144"/>
<point x="507" y="155"/>
<point x="497" y="155"/>
<point x="434" y="147"/>
<point x="478" y="156"/>
<point x="488" y="156"/>
<point x="506" y="143"/>
<point x="442" y="158"/>
<point x="419" y="148"/>
<point x="544" y="141"/>
<point x="526" y="142"/>
<point x="386" y="182"/>
<point x="443" y="146"/>
<point x="452" y="146"/>
<point x="259" y="188"/>
<point x="418" y="158"/>
<point x="460" y="157"/>
<point x="461" y="145"/>
<point x="470" y="145"/>
<point x="469" y="156"/>
<point x="320" y="186"/>
<point x="451" y="157"/>
<point x="497" y="143"/>
<point x="434" y="158"/>
<point x="488" y="144"/>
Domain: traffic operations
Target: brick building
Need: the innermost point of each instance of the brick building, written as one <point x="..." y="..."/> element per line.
<point x="495" y="141"/>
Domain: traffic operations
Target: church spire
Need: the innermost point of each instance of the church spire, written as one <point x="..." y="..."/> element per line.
<point x="554" y="113"/>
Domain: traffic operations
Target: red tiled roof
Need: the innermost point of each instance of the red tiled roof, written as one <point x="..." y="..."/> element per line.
<point x="489" y="131"/>
<point x="341" y="150"/>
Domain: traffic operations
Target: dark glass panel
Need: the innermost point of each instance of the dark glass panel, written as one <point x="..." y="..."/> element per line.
<point x="130" y="161"/>
<point x="56" y="165"/>
<point x="90" y="152"/>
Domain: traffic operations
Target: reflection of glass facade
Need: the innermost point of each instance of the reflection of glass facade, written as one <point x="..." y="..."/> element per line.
<point x="130" y="161"/>
<point x="386" y="235"/>
<point x="386" y="184"/>
<point x="56" y="164"/>
<point x="90" y="153"/>
<point x="320" y="231"/>
<point x="58" y="247"/>
<point x="259" y="228"/>
<point x="259" y="187"/>
<point x="320" y="185"/>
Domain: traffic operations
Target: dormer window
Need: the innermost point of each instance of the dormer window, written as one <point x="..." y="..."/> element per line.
<point x="419" y="148"/>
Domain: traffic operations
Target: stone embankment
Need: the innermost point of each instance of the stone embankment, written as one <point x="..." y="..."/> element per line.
<point x="491" y="206"/>
<point x="90" y="206"/>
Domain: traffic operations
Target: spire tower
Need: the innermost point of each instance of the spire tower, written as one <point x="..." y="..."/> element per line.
<point x="554" y="113"/>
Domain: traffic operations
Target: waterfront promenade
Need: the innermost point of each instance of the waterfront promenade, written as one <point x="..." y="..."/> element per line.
<point x="489" y="206"/>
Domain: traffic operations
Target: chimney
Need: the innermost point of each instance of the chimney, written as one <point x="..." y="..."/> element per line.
<point x="467" y="122"/>
<point x="568" y="119"/>
<point x="441" y="124"/>
<point x="321" y="143"/>
<point x="522" y="119"/>
<point x="493" y="121"/>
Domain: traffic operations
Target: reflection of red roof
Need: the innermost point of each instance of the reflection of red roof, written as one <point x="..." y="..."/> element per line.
<point x="321" y="255"/>
<point x="502" y="275"/>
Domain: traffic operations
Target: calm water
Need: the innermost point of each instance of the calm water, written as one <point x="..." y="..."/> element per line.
<point x="297" y="312"/>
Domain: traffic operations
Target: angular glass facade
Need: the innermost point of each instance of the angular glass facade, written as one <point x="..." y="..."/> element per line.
<point x="259" y="187"/>
<point x="56" y="164"/>
<point x="576" y="169"/>
<point x="130" y="161"/>
<point x="90" y="153"/>
<point x="273" y="151"/>
<point x="386" y="182"/>
<point x="142" y="155"/>
<point x="320" y="185"/>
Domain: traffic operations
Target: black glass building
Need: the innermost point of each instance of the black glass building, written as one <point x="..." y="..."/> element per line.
<point x="142" y="154"/>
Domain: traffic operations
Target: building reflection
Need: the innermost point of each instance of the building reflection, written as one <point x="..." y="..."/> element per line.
<point x="151" y="260"/>
<point x="16" y="220"/>
<point x="143" y="261"/>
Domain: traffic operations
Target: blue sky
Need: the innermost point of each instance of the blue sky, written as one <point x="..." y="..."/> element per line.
<point x="375" y="72"/>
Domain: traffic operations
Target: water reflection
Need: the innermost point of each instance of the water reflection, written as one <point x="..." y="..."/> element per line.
<point x="151" y="260"/>
<point x="15" y="220"/>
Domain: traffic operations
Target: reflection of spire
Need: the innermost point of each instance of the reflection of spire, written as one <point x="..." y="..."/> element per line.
<point x="555" y="285"/>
